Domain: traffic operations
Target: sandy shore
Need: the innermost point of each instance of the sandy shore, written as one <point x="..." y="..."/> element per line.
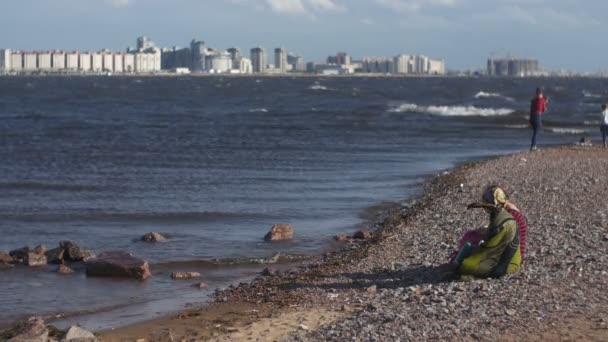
<point x="393" y="288"/>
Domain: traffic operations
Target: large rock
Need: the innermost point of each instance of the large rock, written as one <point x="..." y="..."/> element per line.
<point x="40" y="249"/>
<point x="363" y="234"/>
<point x="279" y="232"/>
<point x="19" y="255"/>
<point x="76" y="334"/>
<point x="185" y="275"/>
<point x="35" y="259"/>
<point x="118" y="264"/>
<point x="5" y="258"/>
<point x="71" y="251"/>
<point x="153" y="237"/>
<point x="30" y="330"/>
<point x="55" y="255"/>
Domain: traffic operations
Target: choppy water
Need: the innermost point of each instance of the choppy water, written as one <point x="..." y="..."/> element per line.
<point x="213" y="162"/>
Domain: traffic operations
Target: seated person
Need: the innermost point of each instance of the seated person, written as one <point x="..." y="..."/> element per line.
<point x="499" y="253"/>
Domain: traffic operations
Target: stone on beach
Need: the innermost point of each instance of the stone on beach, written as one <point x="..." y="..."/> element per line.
<point x="118" y="264"/>
<point x="35" y="259"/>
<point x="185" y="275"/>
<point x="31" y="330"/>
<point x="279" y="232"/>
<point x="343" y="238"/>
<point x="363" y="234"/>
<point x="77" y="334"/>
<point x="153" y="237"/>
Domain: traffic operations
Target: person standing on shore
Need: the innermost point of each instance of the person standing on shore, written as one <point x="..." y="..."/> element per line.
<point x="604" y="124"/>
<point x="537" y="108"/>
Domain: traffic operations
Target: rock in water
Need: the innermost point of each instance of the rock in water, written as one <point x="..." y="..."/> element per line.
<point x="40" y="250"/>
<point x="63" y="269"/>
<point x="55" y="255"/>
<point x="5" y="258"/>
<point x="71" y="251"/>
<point x="76" y="334"/>
<point x="19" y="255"/>
<point x="363" y="234"/>
<point x="185" y="275"/>
<point x="118" y="264"/>
<point x="30" y="330"/>
<point x="153" y="237"/>
<point x="279" y="232"/>
<point x="35" y="259"/>
<point x="342" y="238"/>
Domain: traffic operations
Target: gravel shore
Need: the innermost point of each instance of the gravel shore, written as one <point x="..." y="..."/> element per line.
<point x="393" y="288"/>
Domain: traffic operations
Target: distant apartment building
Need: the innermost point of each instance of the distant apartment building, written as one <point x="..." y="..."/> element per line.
<point x="44" y="61"/>
<point x="379" y="65"/>
<point x="96" y="62"/>
<point x="513" y="67"/>
<point x="30" y="61"/>
<point x="220" y="62"/>
<point x="258" y="60"/>
<point x="296" y="63"/>
<point x="16" y="61"/>
<point x="71" y="61"/>
<point x="84" y="61"/>
<point x="5" y="60"/>
<point x="342" y="58"/>
<point x="280" y="60"/>
<point x="118" y="61"/>
<point x="197" y="51"/>
<point x="128" y="63"/>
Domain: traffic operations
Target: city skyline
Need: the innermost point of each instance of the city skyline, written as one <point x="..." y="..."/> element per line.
<point x="463" y="32"/>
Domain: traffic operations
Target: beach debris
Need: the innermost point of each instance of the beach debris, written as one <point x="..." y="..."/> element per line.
<point x="303" y="327"/>
<point x="185" y="275"/>
<point x="55" y="255"/>
<point x="32" y="329"/>
<point x="19" y="255"/>
<point x="35" y="259"/>
<point x="77" y="334"/>
<point x="153" y="237"/>
<point x="63" y="269"/>
<point x="362" y="234"/>
<point x="372" y="289"/>
<point x="279" y="232"/>
<point x="118" y="264"/>
<point x="40" y="250"/>
<point x="72" y="251"/>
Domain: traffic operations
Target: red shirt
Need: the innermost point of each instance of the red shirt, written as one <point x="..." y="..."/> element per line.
<point x="538" y="106"/>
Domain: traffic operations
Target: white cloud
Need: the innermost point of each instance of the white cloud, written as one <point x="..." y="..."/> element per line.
<point x="415" y="5"/>
<point x="119" y="3"/>
<point x="296" y="7"/>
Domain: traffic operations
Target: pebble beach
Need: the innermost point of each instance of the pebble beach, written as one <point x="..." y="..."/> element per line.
<point x="393" y="287"/>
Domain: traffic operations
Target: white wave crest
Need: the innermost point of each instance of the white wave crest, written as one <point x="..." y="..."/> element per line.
<point x="561" y="130"/>
<point x="317" y="87"/>
<point x="484" y="95"/>
<point x="517" y="126"/>
<point x="258" y="110"/>
<point x="451" y="110"/>
<point x="591" y="122"/>
<point x="591" y="95"/>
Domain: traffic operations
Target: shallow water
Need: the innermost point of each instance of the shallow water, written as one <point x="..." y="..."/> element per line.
<point x="213" y="162"/>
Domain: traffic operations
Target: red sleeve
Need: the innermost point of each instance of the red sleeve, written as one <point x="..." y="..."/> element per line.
<point x="542" y="105"/>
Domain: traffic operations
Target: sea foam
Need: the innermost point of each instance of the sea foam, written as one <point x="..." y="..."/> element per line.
<point x="451" y="110"/>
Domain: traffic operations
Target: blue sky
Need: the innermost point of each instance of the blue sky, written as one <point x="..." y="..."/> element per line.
<point x="569" y="34"/>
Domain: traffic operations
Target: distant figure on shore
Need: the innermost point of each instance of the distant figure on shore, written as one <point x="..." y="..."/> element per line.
<point x="604" y="124"/>
<point x="537" y="108"/>
<point x="499" y="251"/>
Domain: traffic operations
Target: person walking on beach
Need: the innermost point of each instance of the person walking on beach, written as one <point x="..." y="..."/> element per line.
<point x="604" y="124"/>
<point x="537" y="108"/>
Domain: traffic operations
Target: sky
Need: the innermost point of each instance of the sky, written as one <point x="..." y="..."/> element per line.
<point x="562" y="34"/>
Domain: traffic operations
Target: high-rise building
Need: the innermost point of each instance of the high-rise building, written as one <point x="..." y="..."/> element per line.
<point x="197" y="51"/>
<point x="16" y="61"/>
<point x="280" y="60"/>
<point x="144" y="43"/>
<point x="258" y="60"/>
<point x="512" y="67"/>
<point x="84" y="62"/>
<point x="342" y="58"/>
<point x="44" y="61"/>
<point x="5" y="60"/>
<point x="30" y="61"/>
